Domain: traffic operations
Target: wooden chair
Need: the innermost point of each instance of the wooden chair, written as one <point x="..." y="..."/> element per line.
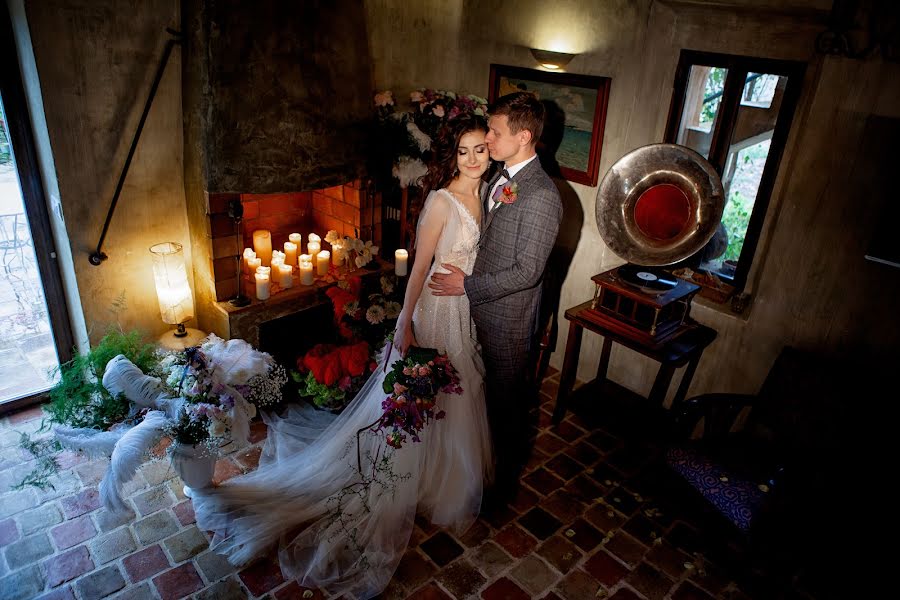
<point x="773" y="480"/>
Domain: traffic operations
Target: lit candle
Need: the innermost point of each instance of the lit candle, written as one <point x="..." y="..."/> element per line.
<point x="313" y="244"/>
<point x="401" y="257"/>
<point x="253" y="264"/>
<point x="296" y="238"/>
<point x="323" y="259"/>
<point x="262" y="244"/>
<point x="290" y="253"/>
<point x="337" y="254"/>
<point x="284" y="276"/>
<point x="277" y="258"/>
<point x="262" y="286"/>
<point x="306" y="272"/>
<point x="264" y="271"/>
<point x="248" y="254"/>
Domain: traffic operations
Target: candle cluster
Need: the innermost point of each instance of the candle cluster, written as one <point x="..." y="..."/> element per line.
<point x="267" y="265"/>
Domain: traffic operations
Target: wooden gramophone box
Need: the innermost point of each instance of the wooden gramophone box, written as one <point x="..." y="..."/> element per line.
<point x="645" y="304"/>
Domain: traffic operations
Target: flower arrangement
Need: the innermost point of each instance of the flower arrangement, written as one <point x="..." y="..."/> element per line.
<point x="413" y="384"/>
<point x="333" y="374"/>
<point x="214" y="396"/>
<point x="330" y="375"/>
<point x="405" y="136"/>
<point x="361" y="252"/>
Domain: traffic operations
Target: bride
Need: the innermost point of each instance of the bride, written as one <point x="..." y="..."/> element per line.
<point x="351" y="543"/>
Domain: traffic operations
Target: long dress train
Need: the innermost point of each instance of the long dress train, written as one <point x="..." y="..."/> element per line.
<point x="305" y="496"/>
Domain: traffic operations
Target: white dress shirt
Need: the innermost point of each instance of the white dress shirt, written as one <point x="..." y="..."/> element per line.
<point x="512" y="173"/>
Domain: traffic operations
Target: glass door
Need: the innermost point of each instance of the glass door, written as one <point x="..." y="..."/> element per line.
<point x="34" y="326"/>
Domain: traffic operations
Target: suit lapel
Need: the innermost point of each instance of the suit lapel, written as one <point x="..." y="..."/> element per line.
<point x="485" y="194"/>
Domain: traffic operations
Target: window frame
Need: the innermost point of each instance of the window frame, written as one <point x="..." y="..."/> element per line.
<point x="738" y="67"/>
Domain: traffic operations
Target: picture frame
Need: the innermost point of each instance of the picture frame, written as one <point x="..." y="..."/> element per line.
<point x="583" y="100"/>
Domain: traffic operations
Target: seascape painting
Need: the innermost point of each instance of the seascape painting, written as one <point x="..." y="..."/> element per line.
<point x="582" y="98"/>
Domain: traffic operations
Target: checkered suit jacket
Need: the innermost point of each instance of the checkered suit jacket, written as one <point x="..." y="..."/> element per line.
<point x="504" y="289"/>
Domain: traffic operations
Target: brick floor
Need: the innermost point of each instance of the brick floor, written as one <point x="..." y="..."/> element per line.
<point x="591" y="519"/>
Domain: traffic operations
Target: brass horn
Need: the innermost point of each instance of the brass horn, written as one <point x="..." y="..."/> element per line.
<point x="659" y="204"/>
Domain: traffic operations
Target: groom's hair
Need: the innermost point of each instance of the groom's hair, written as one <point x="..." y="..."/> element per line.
<point x="523" y="111"/>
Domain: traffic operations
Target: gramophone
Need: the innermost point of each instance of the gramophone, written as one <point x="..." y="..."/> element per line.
<point x="657" y="205"/>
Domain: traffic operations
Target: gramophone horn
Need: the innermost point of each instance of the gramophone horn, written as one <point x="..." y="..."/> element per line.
<point x="659" y="204"/>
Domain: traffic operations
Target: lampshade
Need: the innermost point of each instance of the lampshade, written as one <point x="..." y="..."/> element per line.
<point x="175" y="302"/>
<point x="550" y="59"/>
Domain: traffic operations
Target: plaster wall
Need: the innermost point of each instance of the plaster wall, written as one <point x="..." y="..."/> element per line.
<point x="810" y="284"/>
<point x="95" y="61"/>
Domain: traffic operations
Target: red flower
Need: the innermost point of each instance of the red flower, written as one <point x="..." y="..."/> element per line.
<point x="324" y="363"/>
<point x="340" y="297"/>
<point x="355" y="358"/>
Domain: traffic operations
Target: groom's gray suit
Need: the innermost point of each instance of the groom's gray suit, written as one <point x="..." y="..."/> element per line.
<point x="504" y="292"/>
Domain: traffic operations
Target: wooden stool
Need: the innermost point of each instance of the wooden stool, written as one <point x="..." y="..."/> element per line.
<point x="684" y="349"/>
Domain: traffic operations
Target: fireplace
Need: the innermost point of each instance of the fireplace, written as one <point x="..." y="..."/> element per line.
<point x="277" y="113"/>
<point x="352" y="209"/>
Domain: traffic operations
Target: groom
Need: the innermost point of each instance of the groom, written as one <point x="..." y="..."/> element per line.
<point x="520" y="219"/>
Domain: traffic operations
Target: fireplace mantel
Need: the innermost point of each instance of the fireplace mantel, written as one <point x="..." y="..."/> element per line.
<point x="243" y="322"/>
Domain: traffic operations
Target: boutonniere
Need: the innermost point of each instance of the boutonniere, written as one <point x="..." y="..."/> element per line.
<point x="510" y="193"/>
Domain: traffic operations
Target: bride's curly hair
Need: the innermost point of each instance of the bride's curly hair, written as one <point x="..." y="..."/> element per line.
<point x="442" y="167"/>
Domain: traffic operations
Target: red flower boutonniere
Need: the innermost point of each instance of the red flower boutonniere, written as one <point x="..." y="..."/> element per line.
<point x="510" y="193"/>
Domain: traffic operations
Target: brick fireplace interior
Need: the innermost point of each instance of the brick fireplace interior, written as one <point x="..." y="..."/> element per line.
<point x="350" y="210"/>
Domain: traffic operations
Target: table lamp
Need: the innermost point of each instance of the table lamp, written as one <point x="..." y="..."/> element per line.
<point x="176" y="305"/>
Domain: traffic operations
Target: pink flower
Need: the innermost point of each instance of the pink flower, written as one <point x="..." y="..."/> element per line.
<point x="399" y="389"/>
<point x="438" y="111"/>
<point x="416" y="96"/>
<point x="385" y="98"/>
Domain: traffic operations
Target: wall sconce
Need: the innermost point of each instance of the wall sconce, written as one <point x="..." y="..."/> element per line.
<point x="176" y="305"/>
<point x="551" y="60"/>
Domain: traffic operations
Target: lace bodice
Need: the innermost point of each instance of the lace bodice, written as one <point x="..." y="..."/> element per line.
<point x="444" y="322"/>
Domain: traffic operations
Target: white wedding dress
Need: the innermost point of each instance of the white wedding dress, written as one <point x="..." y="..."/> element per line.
<point x="351" y="544"/>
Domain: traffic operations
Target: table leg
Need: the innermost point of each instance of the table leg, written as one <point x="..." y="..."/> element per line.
<point x="570" y="368"/>
<point x="603" y="367"/>
<point x="661" y="385"/>
<point x="685" y="382"/>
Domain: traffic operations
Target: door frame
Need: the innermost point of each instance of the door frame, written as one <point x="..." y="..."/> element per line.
<point x="21" y="141"/>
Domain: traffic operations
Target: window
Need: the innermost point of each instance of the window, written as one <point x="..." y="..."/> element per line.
<point x="736" y="111"/>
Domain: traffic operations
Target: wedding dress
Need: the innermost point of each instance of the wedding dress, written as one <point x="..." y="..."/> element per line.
<point x="348" y="539"/>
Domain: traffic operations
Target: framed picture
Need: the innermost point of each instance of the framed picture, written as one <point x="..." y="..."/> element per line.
<point x="574" y="127"/>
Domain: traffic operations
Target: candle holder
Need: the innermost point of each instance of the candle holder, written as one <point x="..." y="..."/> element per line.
<point x="236" y="212"/>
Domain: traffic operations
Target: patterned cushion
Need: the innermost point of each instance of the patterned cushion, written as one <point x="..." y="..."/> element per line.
<point x="734" y="496"/>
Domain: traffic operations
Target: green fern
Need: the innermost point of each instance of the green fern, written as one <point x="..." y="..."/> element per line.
<point x="80" y="400"/>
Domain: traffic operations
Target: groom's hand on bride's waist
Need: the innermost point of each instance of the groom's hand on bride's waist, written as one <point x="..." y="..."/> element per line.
<point x="448" y="284"/>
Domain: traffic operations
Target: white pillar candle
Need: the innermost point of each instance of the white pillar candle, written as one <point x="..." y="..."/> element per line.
<point x="279" y="255"/>
<point x="401" y="258"/>
<point x="312" y="248"/>
<point x="267" y="271"/>
<point x="296" y="238"/>
<point x="262" y="286"/>
<point x="262" y="245"/>
<point x="284" y="276"/>
<point x="253" y="264"/>
<point x="248" y="254"/>
<point x="337" y="254"/>
<point x="306" y="272"/>
<point x="323" y="259"/>
<point x="290" y="253"/>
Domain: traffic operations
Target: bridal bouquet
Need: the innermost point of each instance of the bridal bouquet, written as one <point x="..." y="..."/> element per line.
<point x="413" y="385"/>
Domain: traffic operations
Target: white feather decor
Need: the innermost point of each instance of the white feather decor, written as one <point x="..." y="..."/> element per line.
<point x="93" y="442"/>
<point x="123" y="377"/>
<point x="130" y="453"/>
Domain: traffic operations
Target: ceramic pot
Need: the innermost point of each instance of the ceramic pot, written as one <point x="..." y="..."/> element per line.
<point x="195" y="464"/>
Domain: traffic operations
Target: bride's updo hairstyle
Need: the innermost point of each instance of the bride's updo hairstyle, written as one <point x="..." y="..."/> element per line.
<point x="443" y="165"/>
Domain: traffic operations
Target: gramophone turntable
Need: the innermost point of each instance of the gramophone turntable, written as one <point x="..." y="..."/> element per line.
<point x="656" y="206"/>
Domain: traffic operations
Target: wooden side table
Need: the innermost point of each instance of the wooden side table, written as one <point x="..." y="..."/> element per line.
<point x="686" y="349"/>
